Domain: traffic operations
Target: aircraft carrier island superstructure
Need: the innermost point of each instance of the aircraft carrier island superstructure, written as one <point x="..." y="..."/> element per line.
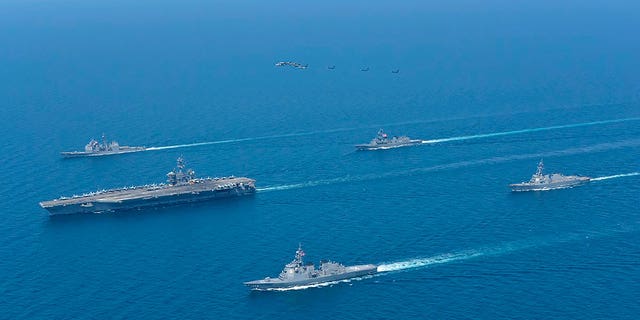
<point x="181" y="187"/>
<point x="297" y="273"/>
<point x="541" y="182"/>
<point x="104" y="148"/>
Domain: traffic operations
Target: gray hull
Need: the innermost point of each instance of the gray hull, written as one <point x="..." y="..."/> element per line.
<point x="276" y="283"/>
<point x="181" y="187"/>
<point x="151" y="196"/>
<point x="144" y="203"/>
<point x="521" y="187"/>
<point x="372" y="147"/>
<point x="123" y="150"/>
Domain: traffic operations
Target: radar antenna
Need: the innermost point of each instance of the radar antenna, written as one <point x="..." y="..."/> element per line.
<point x="299" y="253"/>
<point x="180" y="163"/>
<point x="104" y="141"/>
<point x="540" y="168"/>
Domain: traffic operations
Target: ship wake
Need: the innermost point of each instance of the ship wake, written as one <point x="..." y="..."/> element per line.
<point x="433" y="141"/>
<point x="514" y="132"/>
<point x="277" y="136"/>
<point x="631" y="174"/>
<point x="423" y="262"/>
<point x="191" y="145"/>
<point x="462" y="164"/>
<point x="505" y="248"/>
<point x="315" y="183"/>
<point x="461" y="255"/>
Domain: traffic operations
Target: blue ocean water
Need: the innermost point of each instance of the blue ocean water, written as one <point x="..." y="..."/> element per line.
<point x="493" y="86"/>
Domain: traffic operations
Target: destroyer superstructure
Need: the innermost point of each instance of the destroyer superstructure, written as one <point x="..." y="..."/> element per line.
<point x="181" y="187"/>
<point x="104" y="148"/>
<point x="382" y="141"/>
<point x="540" y="182"/>
<point x="297" y="273"/>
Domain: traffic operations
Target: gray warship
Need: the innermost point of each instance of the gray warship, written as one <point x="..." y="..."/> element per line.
<point x="297" y="273"/>
<point x="541" y="182"/>
<point x="104" y="148"/>
<point x="181" y="187"/>
<point x="382" y="141"/>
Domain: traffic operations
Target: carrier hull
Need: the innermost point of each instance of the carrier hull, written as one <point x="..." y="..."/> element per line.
<point x="181" y="187"/>
<point x="162" y="200"/>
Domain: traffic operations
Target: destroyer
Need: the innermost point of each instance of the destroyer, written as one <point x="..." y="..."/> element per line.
<point x="297" y="273"/>
<point x="382" y="141"/>
<point x="541" y="182"/>
<point x="104" y="148"/>
<point x="181" y="187"/>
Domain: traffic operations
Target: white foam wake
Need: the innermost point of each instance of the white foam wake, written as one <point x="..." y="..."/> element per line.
<point x="309" y="184"/>
<point x="278" y="136"/>
<point x="375" y="176"/>
<point x="189" y="145"/>
<point x="300" y="134"/>
<point x="616" y="176"/>
<point x="423" y="262"/>
<point x="459" y="256"/>
<point x="504" y="248"/>
<point x="506" y="133"/>
<point x="501" y="249"/>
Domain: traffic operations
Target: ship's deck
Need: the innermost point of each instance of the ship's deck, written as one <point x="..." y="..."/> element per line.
<point x="122" y="150"/>
<point x="553" y="179"/>
<point x="349" y="272"/>
<point x="152" y="191"/>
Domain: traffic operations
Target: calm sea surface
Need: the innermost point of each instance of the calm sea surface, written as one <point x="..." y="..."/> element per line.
<point x="494" y="87"/>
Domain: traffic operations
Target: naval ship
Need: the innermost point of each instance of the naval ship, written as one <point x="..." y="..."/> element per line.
<point x="104" y="148"/>
<point x="540" y="182"/>
<point x="181" y="187"/>
<point x="297" y="273"/>
<point x="382" y="141"/>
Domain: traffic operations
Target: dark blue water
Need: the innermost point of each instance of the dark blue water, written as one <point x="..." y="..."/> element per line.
<point x="438" y="217"/>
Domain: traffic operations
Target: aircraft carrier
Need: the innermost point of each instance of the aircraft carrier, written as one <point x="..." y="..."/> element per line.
<point x="541" y="182"/>
<point x="104" y="148"/>
<point x="382" y="141"/>
<point x="297" y="273"/>
<point x="181" y="187"/>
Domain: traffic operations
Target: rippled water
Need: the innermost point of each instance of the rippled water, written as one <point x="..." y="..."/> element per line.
<point x="450" y="239"/>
